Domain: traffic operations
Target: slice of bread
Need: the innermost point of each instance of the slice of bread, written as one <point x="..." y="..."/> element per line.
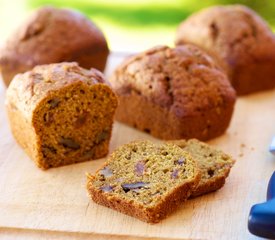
<point x="214" y="165"/>
<point x="145" y="180"/>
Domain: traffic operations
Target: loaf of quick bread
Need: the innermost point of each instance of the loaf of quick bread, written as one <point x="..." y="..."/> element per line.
<point x="239" y="39"/>
<point x="52" y="35"/>
<point x="61" y="113"/>
<point x="174" y="93"/>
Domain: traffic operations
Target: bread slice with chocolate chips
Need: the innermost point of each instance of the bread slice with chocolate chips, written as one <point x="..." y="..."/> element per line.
<point x="145" y="180"/>
<point x="214" y="165"/>
<point x="61" y="113"/>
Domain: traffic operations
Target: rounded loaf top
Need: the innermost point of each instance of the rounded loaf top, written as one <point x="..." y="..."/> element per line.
<point x="233" y="33"/>
<point x="183" y="79"/>
<point x="51" y="35"/>
<point x="28" y="89"/>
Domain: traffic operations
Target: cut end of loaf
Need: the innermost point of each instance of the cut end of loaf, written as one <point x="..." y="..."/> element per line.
<point x="61" y="113"/>
<point x="74" y="124"/>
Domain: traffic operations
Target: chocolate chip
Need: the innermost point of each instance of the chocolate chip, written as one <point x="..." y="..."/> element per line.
<point x="128" y="155"/>
<point x="181" y="161"/>
<point x="134" y="149"/>
<point x="164" y="153"/>
<point x="175" y="174"/>
<point x="147" y="130"/>
<point x="88" y="154"/>
<point x="81" y="120"/>
<point x="134" y="186"/>
<point x="106" y="172"/>
<point x="54" y="102"/>
<point x="46" y="150"/>
<point x="105" y="134"/>
<point x="139" y="168"/>
<point x="106" y="188"/>
<point x="69" y="143"/>
<point x="210" y="172"/>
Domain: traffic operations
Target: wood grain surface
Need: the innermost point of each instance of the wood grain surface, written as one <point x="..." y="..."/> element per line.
<point x="53" y="204"/>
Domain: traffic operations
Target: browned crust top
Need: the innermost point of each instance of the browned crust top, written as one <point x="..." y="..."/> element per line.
<point x="28" y="89"/>
<point x="52" y="35"/>
<point x="234" y="33"/>
<point x="183" y="79"/>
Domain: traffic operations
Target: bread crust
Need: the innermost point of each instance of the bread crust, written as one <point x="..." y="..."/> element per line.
<point x="150" y="215"/>
<point x="239" y="39"/>
<point x="28" y="104"/>
<point x="174" y="94"/>
<point x="160" y="209"/>
<point x="208" y="159"/>
<point x="51" y="35"/>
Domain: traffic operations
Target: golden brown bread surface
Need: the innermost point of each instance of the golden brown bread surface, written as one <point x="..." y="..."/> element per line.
<point x="214" y="165"/>
<point x="145" y="180"/>
<point x="61" y="113"/>
<point x="174" y="93"/>
<point x="239" y="39"/>
<point x="52" y="35"/>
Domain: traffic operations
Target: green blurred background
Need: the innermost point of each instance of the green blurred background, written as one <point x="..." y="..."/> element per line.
<point x="128" y="25"/>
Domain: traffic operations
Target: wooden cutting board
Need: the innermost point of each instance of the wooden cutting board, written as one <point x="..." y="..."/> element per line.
<point x="53" y="204"/>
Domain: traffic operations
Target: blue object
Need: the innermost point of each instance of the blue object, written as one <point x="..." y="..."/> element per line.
<point x="272" y="146"/>
<point x="261" y="220"/>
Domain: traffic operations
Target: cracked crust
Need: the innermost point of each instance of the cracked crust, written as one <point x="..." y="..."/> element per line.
<point x="239" y="39"/>
<point x="30" y="88"/>
<point x="174" y="93"/>
<point x="52" y="35"/>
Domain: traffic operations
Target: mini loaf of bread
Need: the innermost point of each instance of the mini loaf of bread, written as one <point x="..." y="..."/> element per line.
<point x="61" y="113"/>
<point x="145" y="180"/>
<point x="52" y="35"/>
<point x="239" y="39"/>
<point x="174" y="93"/>
<point x="213" y="164"/>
